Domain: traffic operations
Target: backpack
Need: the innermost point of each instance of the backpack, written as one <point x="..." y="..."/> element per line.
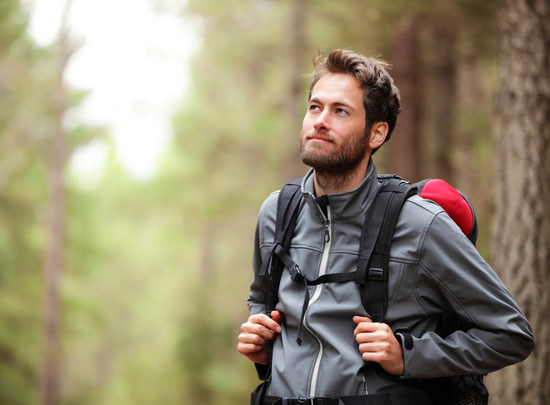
<point x="373" y="265"/>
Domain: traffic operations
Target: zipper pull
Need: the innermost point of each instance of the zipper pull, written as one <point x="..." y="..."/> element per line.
<point x="327" y="233"/>
<point x="365" y="384"/>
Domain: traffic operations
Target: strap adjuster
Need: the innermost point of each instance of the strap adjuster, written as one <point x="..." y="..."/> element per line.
<point x="377" y="274"/>
<point x="296" y="275"/>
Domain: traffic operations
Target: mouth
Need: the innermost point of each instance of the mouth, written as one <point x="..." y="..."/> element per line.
<point x="318" y="138"/>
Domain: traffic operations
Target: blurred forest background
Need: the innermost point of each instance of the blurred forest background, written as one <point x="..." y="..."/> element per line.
<point x="132" y="292"/>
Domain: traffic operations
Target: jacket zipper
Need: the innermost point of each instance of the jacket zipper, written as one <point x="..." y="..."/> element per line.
<point x="316" y="295"/>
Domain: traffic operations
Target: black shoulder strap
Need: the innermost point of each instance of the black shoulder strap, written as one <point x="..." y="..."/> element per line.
<point x="288" y="205"/>
<point x="376" y="239"/>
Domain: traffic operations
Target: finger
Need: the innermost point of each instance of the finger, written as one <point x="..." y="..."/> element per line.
<point x="277" y="316"/>
<point x="366" y="327"/>
<point x="258" y="329"/>
<point x="373" y="347"/>
<point x="252" y="338"/>
<point x="373" y="332"/>
<point x="375" y="357"/>
<point x="363" y="338"/>
<point x="265" y="320"/>
<point x="359" y="319"/>
<point x="248" y="348"/>
<point x="368" y="337"/>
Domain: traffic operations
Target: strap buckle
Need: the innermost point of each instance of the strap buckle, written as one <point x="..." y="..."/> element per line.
<point x="296" y="275"/>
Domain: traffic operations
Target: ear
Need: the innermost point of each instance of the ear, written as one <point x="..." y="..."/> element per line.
<point x="378" y="133"/>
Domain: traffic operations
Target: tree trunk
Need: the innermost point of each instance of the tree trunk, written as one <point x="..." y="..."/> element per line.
<point x="56" y="219"/>
<point x="404" y="146"/>
<point x="296" y="46"/>
<point x="521" y="224"/>
<point x="444" y="95"/>
<point x="469" y="100"/>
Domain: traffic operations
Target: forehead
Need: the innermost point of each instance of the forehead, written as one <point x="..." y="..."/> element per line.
<point x="338" y="87"/>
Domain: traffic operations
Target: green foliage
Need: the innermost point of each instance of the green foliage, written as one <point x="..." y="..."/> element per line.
<point x="27" y="79"/>
<point x="22" y="192"/>
<point x="13" y="23"/>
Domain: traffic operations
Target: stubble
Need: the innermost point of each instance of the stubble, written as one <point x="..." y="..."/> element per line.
<point x="334" y="169"/>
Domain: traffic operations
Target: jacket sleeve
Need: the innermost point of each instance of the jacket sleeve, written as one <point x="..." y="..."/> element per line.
<point x="265" y="226"/>
<point x="453" y="277"/>
<point x="257" y="297"/>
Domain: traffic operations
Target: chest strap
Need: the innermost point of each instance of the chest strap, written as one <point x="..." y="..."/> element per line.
<point x="297" y="276"/>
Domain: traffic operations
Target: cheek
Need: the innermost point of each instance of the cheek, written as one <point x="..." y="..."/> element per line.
<point x="307" y="123"/>
<point x="303" y="133"/>
<point x="306" y="128"/>
<point x="360" y="125"/>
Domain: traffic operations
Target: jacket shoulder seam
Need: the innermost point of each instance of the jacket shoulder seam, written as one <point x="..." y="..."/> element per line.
<point x="404" y="261"/>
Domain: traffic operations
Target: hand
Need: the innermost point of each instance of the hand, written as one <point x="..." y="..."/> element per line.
<point x="377" y="343"/>
<point x="255" y="332"/>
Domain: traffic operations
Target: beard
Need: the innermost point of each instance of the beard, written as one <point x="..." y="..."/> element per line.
<point x="334" y="168"/>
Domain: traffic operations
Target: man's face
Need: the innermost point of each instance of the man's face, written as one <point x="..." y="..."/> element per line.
<point x="333" y="138"/>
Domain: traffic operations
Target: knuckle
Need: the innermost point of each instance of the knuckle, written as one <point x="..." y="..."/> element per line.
<point x="256" y="339"/>
<point x="255" y="318"/>
<point x="259" y="340"/>
<point x="258" y="329"/>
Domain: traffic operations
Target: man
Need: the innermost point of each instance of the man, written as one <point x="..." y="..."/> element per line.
<point x="434" y="269"/>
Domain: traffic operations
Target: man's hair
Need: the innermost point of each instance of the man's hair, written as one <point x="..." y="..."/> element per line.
<point x="380" y="96"/>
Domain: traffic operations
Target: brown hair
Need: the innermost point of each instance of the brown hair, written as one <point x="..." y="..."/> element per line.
<point x="380" y="96"/>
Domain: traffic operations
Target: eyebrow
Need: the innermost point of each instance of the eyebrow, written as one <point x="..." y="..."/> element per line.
<point x="335" y="104"/>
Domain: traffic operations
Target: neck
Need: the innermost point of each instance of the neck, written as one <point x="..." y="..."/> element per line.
<point x="333" y="183"/>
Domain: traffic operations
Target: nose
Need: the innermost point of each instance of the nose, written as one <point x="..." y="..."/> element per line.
<point x="322" y="122"/>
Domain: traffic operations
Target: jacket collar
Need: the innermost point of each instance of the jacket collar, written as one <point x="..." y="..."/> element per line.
<point x="345" y="205"/>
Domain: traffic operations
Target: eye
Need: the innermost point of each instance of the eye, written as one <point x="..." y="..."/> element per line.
<point x="314" y="108"/>
<point x="341" y="112"/>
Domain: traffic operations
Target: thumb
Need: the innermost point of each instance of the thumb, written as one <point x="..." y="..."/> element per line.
<point x="277" y="316"/>
<point x="359" y="319"/>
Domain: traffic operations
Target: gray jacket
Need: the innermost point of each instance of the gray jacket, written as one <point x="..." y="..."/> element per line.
<point x="433" y="269"/>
